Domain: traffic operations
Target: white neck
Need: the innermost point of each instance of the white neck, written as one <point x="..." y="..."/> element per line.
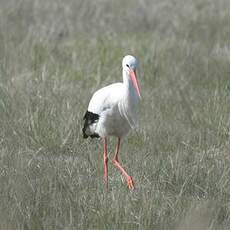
<point x="130" y="101"/>
<point x="126" y="79"/>
<point x="128" y="83"/>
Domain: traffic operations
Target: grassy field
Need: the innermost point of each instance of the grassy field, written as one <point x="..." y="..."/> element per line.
<point x="54" y="54"/>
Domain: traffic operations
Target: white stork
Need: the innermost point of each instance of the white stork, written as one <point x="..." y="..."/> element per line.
<point x="112" y="111"/>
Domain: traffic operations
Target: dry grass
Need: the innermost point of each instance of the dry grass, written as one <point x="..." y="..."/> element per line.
<point x="54" y="54"/>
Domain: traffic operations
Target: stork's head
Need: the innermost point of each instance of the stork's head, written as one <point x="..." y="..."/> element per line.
<point x="129" y="65"/>
<point x="129" y="62"/>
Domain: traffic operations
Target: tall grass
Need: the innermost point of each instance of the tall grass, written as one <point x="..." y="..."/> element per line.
<point x="55" y="54"/>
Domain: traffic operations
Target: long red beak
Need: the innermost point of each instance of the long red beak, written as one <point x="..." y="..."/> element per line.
<point x="135" y="82"/>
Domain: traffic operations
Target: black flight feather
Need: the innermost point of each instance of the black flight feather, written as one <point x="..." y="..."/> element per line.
<point x="89" y="118"/>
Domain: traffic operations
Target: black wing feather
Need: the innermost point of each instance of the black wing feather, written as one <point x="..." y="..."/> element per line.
<point x="89" y="118"/>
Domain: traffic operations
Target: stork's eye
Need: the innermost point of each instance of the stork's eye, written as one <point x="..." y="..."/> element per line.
<point x="127" y="65"/>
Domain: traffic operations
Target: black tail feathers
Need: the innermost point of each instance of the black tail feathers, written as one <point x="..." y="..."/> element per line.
<point x="89" y="118"/>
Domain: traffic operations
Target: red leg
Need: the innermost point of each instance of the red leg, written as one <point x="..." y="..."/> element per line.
<point x="105" y="162"/>
<point x="118" y="165"/>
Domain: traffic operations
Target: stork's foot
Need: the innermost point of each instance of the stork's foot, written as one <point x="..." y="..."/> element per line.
<point x="130" y="183"/>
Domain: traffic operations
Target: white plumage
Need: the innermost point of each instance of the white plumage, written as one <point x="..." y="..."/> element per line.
<point x="112" y="110"/>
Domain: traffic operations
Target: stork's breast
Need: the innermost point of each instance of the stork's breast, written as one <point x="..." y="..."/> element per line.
<point x="113" y="123"/>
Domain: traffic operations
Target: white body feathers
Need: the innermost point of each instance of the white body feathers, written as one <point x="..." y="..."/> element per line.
<point x="117" y="110"/>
